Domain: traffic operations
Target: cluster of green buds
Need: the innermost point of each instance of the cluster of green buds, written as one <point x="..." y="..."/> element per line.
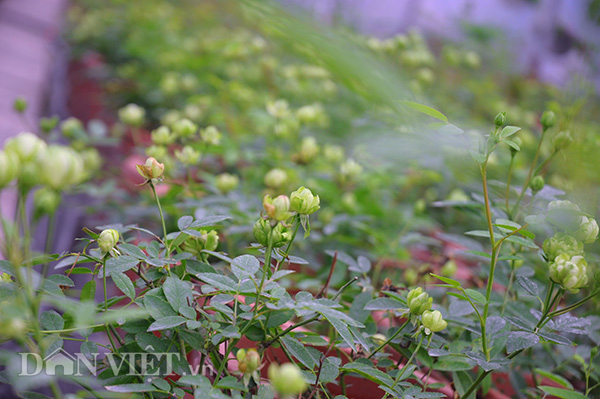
<point x="287" y="379"/>
<point x="419" y="304"/>
<point x="304" y="202"/>
<point x="132" y="115"/>
<point x="107" y="241"/>
<point x="565" y="250"/>
<point x="208" y="240"/>
<point x="248" y="361"/>
<point x="280" y="234"/>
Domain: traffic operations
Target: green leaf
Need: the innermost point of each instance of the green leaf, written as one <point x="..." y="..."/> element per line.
<point x="120" y="264"/>
<point x="218" y="281"/>
<point x="522" y="241"/>
<point x="51" y="320"/>
<point x="124" y="284"/>
<point x="509" y="131"/>
<point x="462" y="381"/>
<point x="562" y="393"/>
<point x="166" y="322"/>
<point x="384" y="304"/>
<point x="341" y="328"/>
<point x="452" y="364"/>
<point x="195" y="380"/>
<point x="475" y="295"/>
<point x="426" y="110"/>
<point x="299" y="351"/>
<point x="209" y="221"/>
<point x="158" y="307"/>
<point x="369" y="372"/>
<point x="177" y="292"/>
<point x="478" y="233"/>
<point x="88" y="292"/>
<point x="512" y="144"/>
<point x="447" y="280"/>
<point x="59" y="279"/>
<point x="245" y="265"/>
<point x="184" y="222"/>
<point x="230" y="382"/>
<point x="520" y="340"/>
<point x="528" y="285"/>
<point x="555" y="377"/>
<point x="479" y="253"/>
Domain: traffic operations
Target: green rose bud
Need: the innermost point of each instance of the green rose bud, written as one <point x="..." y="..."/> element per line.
<point x="472" y="59"/>
<point x="262" y="228"/>
<point x="107" y="240"/>
<point x="278" y="109"/>
<point x="500" y="119"/>
<point x="209" y="240"/>
<point x="184" y="128"/>
<point x="287" y="379"/>
<point x="162" y="136"/>
<point x="350" y="169"/>
<point x="561" y="243"/>
<point x="308" y="149"/>
<point x="48" y="124"/>
<point x="132" y="115"/>
<point x="587" y="230"/>
<point x="275" y="178"/>
<point x="433" y="321"/>
<point x="151" y="170"/>
<point x="536" y="184"/>
<point x="304" y="202"/>
<point x="9" y="168"/>
<point x="286" y="127"/>
<point x="449" y="268"/>
<point x="418" y="301"/>
<point x="278" y="208"/>
<point x="72" y="128"/>
<point x="26" y="146"/>
<point x="333" y="153"/>
<point x="157" y="152"/>
<point x="562" y="140"/>
<point x="248" y="361"/>
<point x="211" y="135"/>
<point x="20" y="105"/>
<point x="188" y="155"/>
<point x="227" y="182"/>
<point x="45" y="202"/>
<point x="61" y="167"/>
<point x="562" y="205"/>
<point x="569" y="271"/>
<point x="548" y="119"/>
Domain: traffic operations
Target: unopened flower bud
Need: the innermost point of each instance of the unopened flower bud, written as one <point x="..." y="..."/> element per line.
<point x="304" y="202"/>
<point x="378" y="339"/>
<point x="418" y="301"/>
<point x="61" y="167"/>
<point x="351" y="169"/>
<point x="308" y="149"/>
<point x="248" y="361"/>
<point x="587" y="231"/>
<point x="562" y="205"/>
<point x="275" y="178"/>
<point x="280" y="234"/>
<point x="536" y="184"/>
<point x="45" y="202"/>
<point x="48" y="124"/>
<point x="227" y="182"/>
<point x="209" y="240"/>
<point x="569" y="271"/>
<point x="9" y="167"/>
<point x="562" y="140"/>
<point x="107" y="240"/>
<point x="472" y="59"/>
<point x="433" y="321"/>
<point x="278" y="208"/>
<point x="162" y="136"/>
<point x="72" y="128"/>
<point x="548" y="119"/>
<point x="184" y="128"/>
<point x="211" y="135"/>
<point x="157" y="152"/>
<point x="333" y="153"/>
<point x="151" y="170"/>
<point x="287" y="379"/>
<point x="500" y="119"/>
<point x="27" y="146"/>
<point x="449" y="268"/>
<point x="561" y="243"/>
<point x="188" y="155"/>
<point x="20" y="105"/>
<point x="278" y="109"/>
<point x="14" y="327"/>
<point x="132" y="115"/>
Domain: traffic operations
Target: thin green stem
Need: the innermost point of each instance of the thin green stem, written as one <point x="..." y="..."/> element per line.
<point x="380" y="347"/>
<point x="49" y="241"/>
<point x="162" y="218"/>
<point x="401" y="372"/>
<point x="510" y="166"/>
<point x="529" y="175"/>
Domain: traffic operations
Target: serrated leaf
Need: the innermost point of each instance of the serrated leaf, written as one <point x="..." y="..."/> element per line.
<point x="166" y="322"/>
<point x="51" y="320"/>
<point x="297" y="349"/>
<point x="244" y="266"/>
<point x="528" y="285"/>
<point x="158" y="307"/>
<point x="384" y="304"/>
<point x="88" y="292"/>
<point x="124" y="284"/>
<point x="177" y="292"/>
<point x="218" y="281"/>
<point x="121" y="264"/>
<point x="519" y="340"/>
<point x="476" y="295"/>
